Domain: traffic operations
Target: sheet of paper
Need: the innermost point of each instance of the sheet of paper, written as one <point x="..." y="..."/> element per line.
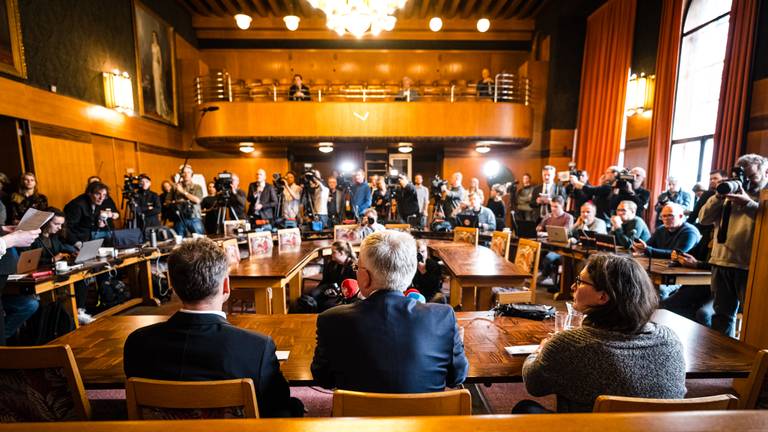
<point x="14" y="277"/>
<point x="521" y="349"/>
<point x="282" y="355"/>
<point x="33" y="219"/>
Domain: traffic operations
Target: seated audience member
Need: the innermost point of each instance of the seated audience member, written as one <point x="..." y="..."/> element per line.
<point x="733" y="236"/>
<point x="617" y="351"/>
<point x="673" y="194"/>
<point x="50" y="240"/>
<point x="109" y="203"/>
<point x="486" y="220"/>
<point x="388" y="343"/>
<point x="674" y="234"/>
<point x="486" y="85"/>
<point x="407" y="92"/>
<point x="9" y="240"/>
<point x="626" y="226"/>
<point x="496" y="205"/>
<point x="429" y="275"/>
<point x="298" y="91"/>
<point x="368" y="224"/>
<point x="339" y="267"/>
<point x="26" y="198"/>
<point x="588" y="221"/>
<point x="198" y="343"/>
<point x="557" y="217"/>
<point x="88" y="216"/>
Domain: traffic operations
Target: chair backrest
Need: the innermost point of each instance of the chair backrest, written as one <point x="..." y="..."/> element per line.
<point x="289" y="237"/>
<point x="150" y="399"/>
<point x="398" y="227"/>
<point x="41" y="384"/>
<point x="500" y="243"/>
<point x="466" y="235"/>
<point x="527" y="255"/>
<point x="233" y="251"/>
<point x="360" y="404"/>
<point x="632" y="404"/>
<point x="756" y="394"/>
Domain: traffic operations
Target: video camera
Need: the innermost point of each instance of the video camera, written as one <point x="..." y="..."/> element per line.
<point x="624" y="178"/>
<point x="223" y="182"/>
<point x="574" y="171"/>
<point x="437" y="186"/>
<point x="738" y="180"/>
<point x="278" y="181"/>
<point x="344" y="182"/>
<point x="305" y="180"/>
<point x="131" y="185"/>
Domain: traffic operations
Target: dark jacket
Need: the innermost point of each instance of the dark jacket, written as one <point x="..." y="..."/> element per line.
<point x="201" y="347"/>
<point x="407" y="201"/>
<point x="601" y="198"/>
<point x="334" y="273"/>
<point x="82" y="218"/>
<point x="295" y="89"/>
<point x="430" y="282"/>
<point x="150" y="206"/>
<point x="19" y="205"/>
<point x="267" y="199"/>
<point x="388" y="343"/>
<point x="52" y="247"/>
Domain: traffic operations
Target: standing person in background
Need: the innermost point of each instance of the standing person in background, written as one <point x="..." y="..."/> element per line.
<point x="422" y="195"/>
<point x="523" y="197"/>
<point x="361" y="194"/>
<point x="381" y="199"/>
<point x="319" y="198"/>
<point x="335" y="202"/>
<point x="238" y="197"/>
<point x="166" y="197"/>
<point x="26" y="198"/>
<point x="291" y="197"/>
<point x="496" y="205"/>
<point x="408" y="202"/>
<point x="262" y="199"/>
<point x="299" y="91"/>
<point x="542" y="195"/>
<point x="485" y="86"/>
<point x="673" y="194"/>
<point x="148" y="204"/>
<point x="187" y="196"/>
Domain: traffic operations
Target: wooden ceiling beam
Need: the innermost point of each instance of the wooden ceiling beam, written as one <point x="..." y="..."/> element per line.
<point x="233" y="8"/>
<point x="257" y="6"/>
<point x="424" y="9"/>
<point x="409" y="7"/>
<point x="511" y="9"/>
<point x="217" y="8"/>
<point x="469" y="9"/>
<point x="482" y="10"/>
<point x="497" y="7"/>
<point x="188" y="6"/>
<point x="451" y="13"/>
<point x="276" y="11"/>
<point x="529" y="7"/>
<point x="203" y="9"/>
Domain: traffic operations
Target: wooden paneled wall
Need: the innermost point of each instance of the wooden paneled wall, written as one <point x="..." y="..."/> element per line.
<point x="757" y="135"/>
<point x="361" y="65"/>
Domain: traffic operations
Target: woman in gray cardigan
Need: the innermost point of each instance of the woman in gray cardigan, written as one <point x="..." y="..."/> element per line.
<point x="618" y="350"/>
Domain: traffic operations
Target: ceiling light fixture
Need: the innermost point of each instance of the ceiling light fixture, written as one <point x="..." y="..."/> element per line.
<point x="405" y="147"/>
<point x="482" y="148"/>
<point x="291" y="22"/>
<point x="358" y="17"/>
<point x="483" y="24"/>
<point x="246" y="147"/>
<point x="435" y="24"/>
<point x="243" y="21"/>
<point x="325" y="147"/>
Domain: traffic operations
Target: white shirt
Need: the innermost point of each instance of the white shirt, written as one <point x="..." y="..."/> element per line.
<point x="201" y="312"/>
<point x="291" y="204"/>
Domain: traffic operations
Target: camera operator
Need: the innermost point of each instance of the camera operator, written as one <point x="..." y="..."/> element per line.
<point x="187" y="196"/>
<point x="733" y="211"/>
<point x="715" y="176"/>
<point x="673" y="194"/>
<point x="451" y="200"/>
<point x="600" y="195"/>
<point x="361" y="194"/>
<point x="368" y="223"/>
<point x="262" y="199"/>
<point x="319" y="193"/>
<point x="429" y="275"/>
<point x="87" y="217"/>
<point x="422" y="196"/>
<point x="576" y="197"/>
<point x="626" y="190"/>
<point x="291" y="197"/>
<point x="408" y="202"/>
<point x="147" y="204"/>
<point x="542" y="194"/>
<point x="486" y="220"/>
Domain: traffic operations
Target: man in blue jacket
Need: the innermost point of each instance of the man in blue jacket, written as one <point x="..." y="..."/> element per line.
<point x="361" y="194"/>
<point x="674" y="234"/>
<point x="388" y="343"/>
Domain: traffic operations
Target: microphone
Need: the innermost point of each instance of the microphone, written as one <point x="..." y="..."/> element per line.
<point x="416" y="295"/>
<point x="209" y="109"/>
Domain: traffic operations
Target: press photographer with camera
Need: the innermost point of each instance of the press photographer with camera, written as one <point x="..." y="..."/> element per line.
<point x="733" y="211"/>
<point x="600" y="195"/>
<point x="262" y="199"/>
<point x="291" y="196"/>
<point x="628" y="186"/>
<point x="382" y="198"/>
<point x="715" y="176"/>
<point x="408" y="202"/>
<point x="368" y="223"/>
<point x="186" y="197"/>
<point x="449" y="202"/>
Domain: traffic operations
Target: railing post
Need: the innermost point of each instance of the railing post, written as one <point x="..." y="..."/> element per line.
<point x="320" y="95"/>
<point x="453" y="87"/>
<point x="364" y="95"/>
<point x="274" y="93"/>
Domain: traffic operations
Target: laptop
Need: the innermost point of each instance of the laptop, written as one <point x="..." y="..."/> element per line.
<point x="89" y="251"/>
<point x="557" y="234"/>
<point x="28" y="261"/>
<point x="605" y="242"/>
<point x="587" y="239"/>
<point x="466" y="220"/>
<point x="525" y="229"/>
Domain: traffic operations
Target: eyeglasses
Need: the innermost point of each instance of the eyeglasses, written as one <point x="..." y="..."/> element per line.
<point x="580" y="281"/>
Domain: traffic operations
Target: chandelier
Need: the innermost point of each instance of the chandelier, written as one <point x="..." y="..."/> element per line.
<point x="359" y="16"/>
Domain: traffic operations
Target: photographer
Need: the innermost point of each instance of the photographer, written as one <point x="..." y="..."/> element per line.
<point x="733" y="211"/>
<point x="186" y="197"/>
<point x="382" y="198"/>
<point x="626" y="190"/>
<point x="87" y="217"/>
<point x="148" y="204"/>
<point x="486" y="221"/>
<point x="262" y="199"/>
<point x="715" y="176"/>
<point x="576" y="197"/>
<point x="429" y="275"/>
<point x="408" y="201"/>
<point x="291" y="196"/>
<point x="368" y="224"/>
<point x="600" y="195"/>
<point x="451" y="200"/>
<point x="320" y="195"/>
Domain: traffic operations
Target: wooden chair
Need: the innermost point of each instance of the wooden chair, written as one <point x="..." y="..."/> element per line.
<point x="289" y="237"/>
<point x="527" y="256"/>
<point x="360" y="404"/>
<point x="41" y="384"/>
<point x="398" y="227"/>
<point x="500" y="243"/>
<point x="150" y="399"/>
<point x="633" y="404"/>
<point x="755" y="395"/>
<point x="466" y="235"/>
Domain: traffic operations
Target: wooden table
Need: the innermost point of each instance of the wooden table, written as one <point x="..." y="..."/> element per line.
<point x="139" y="275"/>
<point x="98" y="347"/>
<point x="698" y="421"/>
<point x="474" y="270"/>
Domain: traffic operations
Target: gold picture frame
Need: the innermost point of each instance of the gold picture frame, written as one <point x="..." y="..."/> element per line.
<point x="155" y="51"/>
<point x="11" y="51"/>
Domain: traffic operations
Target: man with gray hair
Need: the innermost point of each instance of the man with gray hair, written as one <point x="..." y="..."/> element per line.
<point x="388" y="343"/>
<point x="675" y="234"/>
<point x="197" y="343"/>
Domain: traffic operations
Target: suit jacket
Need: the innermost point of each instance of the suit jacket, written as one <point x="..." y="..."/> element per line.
<point x="389" y="343"/>
<point x="82" y="218"/>
<point x="200" y="347"/>
<point x="268" y="200"/>
<point x="554" y="190"/>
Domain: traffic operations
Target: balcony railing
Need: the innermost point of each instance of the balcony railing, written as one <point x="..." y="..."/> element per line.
<point x="506" y="88"/>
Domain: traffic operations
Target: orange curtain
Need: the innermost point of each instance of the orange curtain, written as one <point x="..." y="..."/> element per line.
<point x="733" y="108"/>
<point x="667" y="58"/>
<point x="604" y="74"/>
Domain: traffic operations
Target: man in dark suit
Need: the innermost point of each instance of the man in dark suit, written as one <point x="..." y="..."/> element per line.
<point x="388" y="343"/>
<point x="262" y="198"/>
<point x="198" y="344"/>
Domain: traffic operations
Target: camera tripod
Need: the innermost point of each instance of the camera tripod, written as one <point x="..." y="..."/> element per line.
<point x="223" y="210"/>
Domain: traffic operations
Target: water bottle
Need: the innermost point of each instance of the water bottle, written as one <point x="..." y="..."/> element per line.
<point x="153" y="238"/>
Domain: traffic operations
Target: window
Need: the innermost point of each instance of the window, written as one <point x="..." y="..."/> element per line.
<point x="705" y="33"/>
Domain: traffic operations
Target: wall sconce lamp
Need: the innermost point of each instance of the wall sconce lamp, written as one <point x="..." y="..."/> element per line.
<point x="118" y="91"/>
<point x="640" y="89"/>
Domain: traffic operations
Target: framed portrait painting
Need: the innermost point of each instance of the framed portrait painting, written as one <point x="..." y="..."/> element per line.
<point x="155" y="65"/>
<point x="11" y="46"/>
